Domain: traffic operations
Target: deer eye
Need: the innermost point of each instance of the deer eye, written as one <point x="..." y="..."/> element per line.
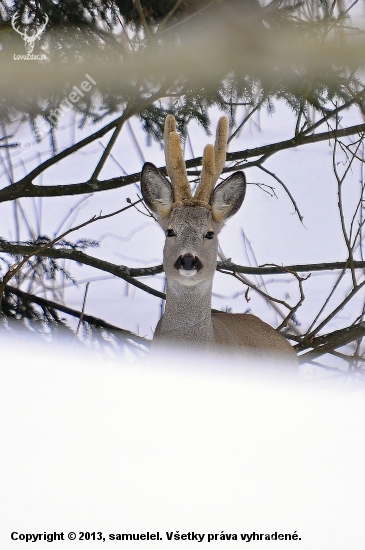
<point x="170" y="233"/>
<point x="209" y="235"/>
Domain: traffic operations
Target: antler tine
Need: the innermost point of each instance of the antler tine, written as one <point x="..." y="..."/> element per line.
<point x="170" y="126"/>
<point x="220" y="147"/>
<point x="213" y="162"/>
<point x="45" y="22"/>
<point x="175" y="163"/>
<point x="13" y="23"/>
<point x="205" y="186"/>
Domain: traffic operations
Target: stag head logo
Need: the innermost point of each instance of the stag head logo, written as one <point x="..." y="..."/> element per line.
<point x="34" y="33"/>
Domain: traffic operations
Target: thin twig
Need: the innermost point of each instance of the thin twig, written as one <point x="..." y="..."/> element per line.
<point x="106" y="151"/>
<point x="340" y="204"/>
<point x="15" y="268"/>
<point x="294" y="309"/>
<point x="83" y="308"/>
<point x="273" y="302"/>
<point x="285" y="189"/>
<point x="337" y="309"/>
<point x="74" y="313"/>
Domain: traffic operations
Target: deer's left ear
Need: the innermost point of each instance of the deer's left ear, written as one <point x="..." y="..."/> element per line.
<point x="156" y="190"/>
<point x="227" y="197"/>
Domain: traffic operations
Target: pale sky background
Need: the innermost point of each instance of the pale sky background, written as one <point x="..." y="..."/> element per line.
<point x="270" y="224"/>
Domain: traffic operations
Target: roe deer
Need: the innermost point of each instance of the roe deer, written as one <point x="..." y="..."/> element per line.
<point x="191" y="224"/>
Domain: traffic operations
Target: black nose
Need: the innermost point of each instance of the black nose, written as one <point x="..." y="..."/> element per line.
<point x="188" y="261"/>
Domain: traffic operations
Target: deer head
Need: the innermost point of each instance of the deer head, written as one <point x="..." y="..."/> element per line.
<point x="192" y="223"/>
<point x="35" y="33"/>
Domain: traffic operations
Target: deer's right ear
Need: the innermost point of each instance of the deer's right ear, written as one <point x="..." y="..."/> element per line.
<point x="156" y="190"/>
<point x="228" y="196"/>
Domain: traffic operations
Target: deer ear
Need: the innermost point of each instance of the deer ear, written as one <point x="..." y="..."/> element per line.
<point x="156" y="190"/>
<point x="227" y="197"/>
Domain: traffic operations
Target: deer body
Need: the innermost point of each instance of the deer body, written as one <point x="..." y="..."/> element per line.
<point x="191" y="224"/>
<point x="188" y="319"/>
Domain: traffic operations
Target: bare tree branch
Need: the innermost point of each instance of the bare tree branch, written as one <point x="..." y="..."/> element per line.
<point x="74" y="313"/>
<point x="25" y="187"/>
<point x="276" y="270"/>
<point x="82" y="258"/>
<point x="328" y="342"/>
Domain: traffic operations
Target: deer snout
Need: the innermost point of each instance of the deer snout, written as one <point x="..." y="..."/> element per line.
<point x="188" y="265"/>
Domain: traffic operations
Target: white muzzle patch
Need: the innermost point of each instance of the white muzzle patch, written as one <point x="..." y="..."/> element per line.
<point x="188" y="272"/>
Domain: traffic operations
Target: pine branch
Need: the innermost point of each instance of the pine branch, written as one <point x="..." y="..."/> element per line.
<point x="121" y="271"/>
<point x="14" y="269"/>
<point x="74" y="313"/>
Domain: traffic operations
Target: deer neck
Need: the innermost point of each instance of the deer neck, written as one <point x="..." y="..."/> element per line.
<point x="187" y="313"/>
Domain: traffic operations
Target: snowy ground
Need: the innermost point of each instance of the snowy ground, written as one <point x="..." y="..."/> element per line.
<point x="185" y="446"/>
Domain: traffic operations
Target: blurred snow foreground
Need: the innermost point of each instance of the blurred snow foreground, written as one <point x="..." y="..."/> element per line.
<point x="180" y="445"/>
